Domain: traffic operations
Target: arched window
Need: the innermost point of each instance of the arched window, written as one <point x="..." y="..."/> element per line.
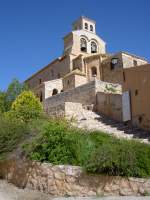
<point x="83" y="45"/>
<point x="41" y="97"/>
<point x="93" y="47"/>
<point x="55" y="91"/>
<point x="94" y="71"/>
<point x="91" y="28"/>
<point x="86" y="26"/>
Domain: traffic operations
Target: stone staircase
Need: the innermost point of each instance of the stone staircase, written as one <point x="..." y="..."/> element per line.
<point x="90" y="120"/>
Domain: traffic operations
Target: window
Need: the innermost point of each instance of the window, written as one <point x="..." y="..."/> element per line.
<point x="94" y="71"/>
<point x="93" y="47"/>
<point x="55" y="91"/>
<point x="91" y="28"/>
<point x="136" y="92"/>
<point x="114" y="63"/>
<point x="124" y="78"/>
<point x="140" y="119"/>
<point x="41" y="97"/>
<point x="83" y="45"/>
<point x="40" y="81"/>
<point x="58" y="75"/>
<point x="135" y="63"/>
<point x="86" y="26"/>
<point x="68" y="82"/>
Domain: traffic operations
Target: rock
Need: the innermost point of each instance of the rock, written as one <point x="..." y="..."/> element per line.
<point x="126" y="192"/>
<point x="59" y="175"/>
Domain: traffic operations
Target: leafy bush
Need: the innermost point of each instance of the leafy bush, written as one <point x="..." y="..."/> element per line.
<point x="97" y="152"/>
<point x="52" y="144"/>
<point x="11" y="133"/>
<point x="26" y="107"/>
<point x="120" y="157"/>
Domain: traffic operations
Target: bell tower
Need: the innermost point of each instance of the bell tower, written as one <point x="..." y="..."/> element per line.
<point x="84" y="23"/>
<point x="83" y="38"/>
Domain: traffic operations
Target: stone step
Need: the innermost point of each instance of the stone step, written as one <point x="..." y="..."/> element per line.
<point x="87" y="119"/>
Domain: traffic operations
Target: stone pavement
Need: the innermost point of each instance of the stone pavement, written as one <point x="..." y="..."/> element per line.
<point x="89" y="120"/>
<point x="10" y="192"/>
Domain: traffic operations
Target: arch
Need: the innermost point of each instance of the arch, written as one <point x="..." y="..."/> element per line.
<point x="91" y="28"/>
<point x="55" y="91"/>
<point x="41" y="96"/>
<point x="93" y="47"/>
<point x="86" y="26"/>
<point x="83" y="45"/>
<point x="94" y="71"/>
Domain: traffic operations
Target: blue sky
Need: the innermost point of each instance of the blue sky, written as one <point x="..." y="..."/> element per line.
<point x="31" y="31"/>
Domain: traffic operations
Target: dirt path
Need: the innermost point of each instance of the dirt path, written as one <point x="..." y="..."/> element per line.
<point x="10" y="192"/>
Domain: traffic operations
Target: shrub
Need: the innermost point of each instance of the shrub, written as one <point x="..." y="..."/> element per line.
<point x="120" y="157"/>
<point x="11" y="133"/>
<point x="97" y="152"/>
<point x="26" y="107"/>
<point x="52" y="144"/>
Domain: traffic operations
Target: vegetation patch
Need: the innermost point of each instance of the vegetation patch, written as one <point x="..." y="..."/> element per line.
<point x="97" y="152"/>
<point x="57" y="142"/>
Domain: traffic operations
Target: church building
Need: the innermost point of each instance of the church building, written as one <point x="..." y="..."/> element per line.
<point x="87" y="76"/>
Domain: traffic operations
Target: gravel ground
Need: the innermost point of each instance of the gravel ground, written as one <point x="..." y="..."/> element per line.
<point x="10" y="192"/>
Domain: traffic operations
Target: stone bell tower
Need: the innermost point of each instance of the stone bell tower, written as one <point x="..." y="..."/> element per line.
<point x="83" y="38"/>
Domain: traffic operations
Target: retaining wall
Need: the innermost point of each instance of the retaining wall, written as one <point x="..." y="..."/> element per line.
<point x="64" y="180"/>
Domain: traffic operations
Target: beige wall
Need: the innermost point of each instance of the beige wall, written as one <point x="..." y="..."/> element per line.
<point x="137" y="81"/>
<point x="78" y="63"/>
<point x="128" y="60"/>
<point x="69" y="82"/>
<point x="109" y="104"/>
<point x="73" y="80"/>
<point x="90" y="62"/>
<point x="80" y="80"/>
<point x="59" y="67"/>
<point x="124" y="61"/>
<point x="51" y="85"/>
<point x="84" y="94"/>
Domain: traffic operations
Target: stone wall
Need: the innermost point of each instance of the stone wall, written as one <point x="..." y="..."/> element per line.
<point x="116" y="75"/>
<point x="64" y="180"/>
<point x="56" y="69"/>
<point x="51" y="85"/>
<point x="67" y="109"/>
<point x="137" y="81"/>
<point x="84" y="94"/>
<point x="128" y="61"/>
<point x="110" y="105"/>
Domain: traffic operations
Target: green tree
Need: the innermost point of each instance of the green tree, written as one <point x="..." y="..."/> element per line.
<point x="27" y="107"/>
<point x="2" y="102"/>
<point x="14" y="89"/>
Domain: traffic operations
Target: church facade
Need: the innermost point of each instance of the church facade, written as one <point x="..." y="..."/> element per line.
<point x="87" y="76"/>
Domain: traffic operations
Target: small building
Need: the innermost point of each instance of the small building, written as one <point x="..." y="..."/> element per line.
<point x="137" y="83"/>
<point x="74" y="79"/>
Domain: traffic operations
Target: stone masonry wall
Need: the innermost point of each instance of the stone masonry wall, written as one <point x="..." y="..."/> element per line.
<point x="84" y="94"/>
<point x="110" y="105"/>
<point x="67" y="109"/>
<point x="65" y="180"/>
